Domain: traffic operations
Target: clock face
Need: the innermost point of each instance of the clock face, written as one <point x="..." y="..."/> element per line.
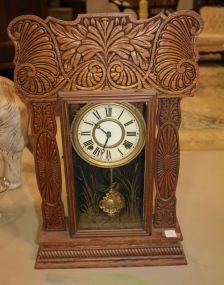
<point x="108" y="134"/>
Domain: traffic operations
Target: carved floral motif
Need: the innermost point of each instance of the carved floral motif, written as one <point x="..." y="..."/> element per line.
<point x="43" y="119"/>
<point x="169" y="111"/>
<point x="106" y="52"/>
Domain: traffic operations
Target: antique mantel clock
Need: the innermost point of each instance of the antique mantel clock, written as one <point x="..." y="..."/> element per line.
<point x="116" y="84"/>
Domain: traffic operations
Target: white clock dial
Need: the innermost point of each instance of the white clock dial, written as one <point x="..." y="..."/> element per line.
<point x="108" y="135"/>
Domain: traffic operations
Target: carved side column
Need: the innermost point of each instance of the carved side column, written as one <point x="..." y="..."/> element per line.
<point x="167" y="156"/>
<point x="47" y="163"/>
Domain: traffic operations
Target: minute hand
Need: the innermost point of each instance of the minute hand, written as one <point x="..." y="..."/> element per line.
<point x="108" y="136"/>
<point x="106" y="142"/>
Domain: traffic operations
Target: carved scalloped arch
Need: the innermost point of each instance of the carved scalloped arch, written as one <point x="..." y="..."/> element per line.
<point x="106" y="51"/>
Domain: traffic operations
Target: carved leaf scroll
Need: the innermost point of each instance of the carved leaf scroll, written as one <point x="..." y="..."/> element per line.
<point x="105" y="38"/>
<point x="103" y="51"/>
<point x="69" y="39"/>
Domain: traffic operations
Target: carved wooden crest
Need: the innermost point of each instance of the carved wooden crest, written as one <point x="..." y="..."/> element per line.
<point x="105" y="51"/>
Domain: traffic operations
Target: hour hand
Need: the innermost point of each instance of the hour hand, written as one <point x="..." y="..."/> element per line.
<point x="99" y="127"/>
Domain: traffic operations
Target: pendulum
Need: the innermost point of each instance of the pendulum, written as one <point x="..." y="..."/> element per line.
<point x="113" y="201"/>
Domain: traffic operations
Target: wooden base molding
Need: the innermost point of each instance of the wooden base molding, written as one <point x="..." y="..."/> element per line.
<point x="58" y="251"/>
<point x="53" y="257"/>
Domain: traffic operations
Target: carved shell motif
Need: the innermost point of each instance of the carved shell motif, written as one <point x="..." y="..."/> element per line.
<point x="175" y="59"/>
<point x="37" y="67"/>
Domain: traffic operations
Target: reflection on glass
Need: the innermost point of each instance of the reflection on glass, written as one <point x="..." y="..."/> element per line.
<point x="109" y="199"/>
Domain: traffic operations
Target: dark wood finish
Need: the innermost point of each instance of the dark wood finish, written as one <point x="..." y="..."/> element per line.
<point x="78" y="6"/>
<point x="108" y="57"/>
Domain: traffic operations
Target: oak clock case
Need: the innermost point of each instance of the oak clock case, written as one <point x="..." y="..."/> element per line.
<point x="108" y="163"/>
<point x="96" y="59"/>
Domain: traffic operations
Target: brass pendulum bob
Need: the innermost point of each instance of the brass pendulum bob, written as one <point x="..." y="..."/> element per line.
<point x="113" y="201"/>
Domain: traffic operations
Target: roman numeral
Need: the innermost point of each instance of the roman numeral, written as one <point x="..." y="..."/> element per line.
<point x="120" y="114"/>
<point x="97" y="151"/>
<point x="108" y="111"/>
<point x="89" y="144"/>
<point x="96" y="114"/>
<point x="88" y="133"/>
<point x="120" y="151"/>
<point x="127" y="144"/>
<point x="108" y="155"/>
<point x="88" y="123"/>
<point x="129" y="123"/>
<point x="131" y="134"/>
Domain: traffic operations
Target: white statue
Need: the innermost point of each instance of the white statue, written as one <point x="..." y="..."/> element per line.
<point x="14" y="123"/>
